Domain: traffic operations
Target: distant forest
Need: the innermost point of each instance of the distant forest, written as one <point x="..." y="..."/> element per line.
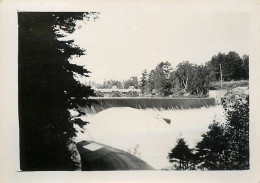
<point x="186" y="78"/>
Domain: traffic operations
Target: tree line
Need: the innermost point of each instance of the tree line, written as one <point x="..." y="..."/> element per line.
<point x="186" y="78"/>
<point x="108" y="84"/>
<point x="194" y="79"/>
<point x="225" y="146"/>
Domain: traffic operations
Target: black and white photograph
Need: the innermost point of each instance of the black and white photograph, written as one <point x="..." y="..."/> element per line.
<point x="135" y="87"/>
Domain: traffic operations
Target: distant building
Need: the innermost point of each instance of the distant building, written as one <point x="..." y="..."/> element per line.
<point x="114" y="89"/>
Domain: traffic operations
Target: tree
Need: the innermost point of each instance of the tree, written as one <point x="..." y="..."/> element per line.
<point x="199" y="82"/>
<point x="182" y="155"/>
<point x="226" y="146"/>
<point x="150" y="82"/>
<point x="237" y="130"/>
<point x="210" y="149"/>
<point x="167" y="68"/>
<point x="219" y="67"/>
<point x="48" y="90"/>
<point x="245" y="59"/>
<point x="133" y="81"/>
<point x="236" y="66"/>
<point x="184" y="73"/>
<point x="231" y="65"/>
<point x="161" y="78"/>
<point x="143" y="82"/>
<point x="110" y="83"/>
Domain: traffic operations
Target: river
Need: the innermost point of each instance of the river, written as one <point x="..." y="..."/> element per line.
<point x="126" y="128"/>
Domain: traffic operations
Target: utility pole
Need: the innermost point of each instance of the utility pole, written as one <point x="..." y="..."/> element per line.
<point x="220" y="76"/>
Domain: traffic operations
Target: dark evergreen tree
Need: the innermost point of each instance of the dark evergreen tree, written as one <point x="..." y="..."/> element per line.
<point x="143" y="81"/>
<point x="235" y="66"/>
<point x="159" y="79"/>
<point x="182" y="155"/>
<point x="48" y="89"/>
<point x="210" y="149"/>
<point x="218" y="65"/>
<point x="245" y="59"/>
<point x="230" y="65"/>
<point x="150" y="82"/>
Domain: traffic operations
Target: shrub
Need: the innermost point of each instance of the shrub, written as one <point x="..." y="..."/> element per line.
<point x="226" y="146"/>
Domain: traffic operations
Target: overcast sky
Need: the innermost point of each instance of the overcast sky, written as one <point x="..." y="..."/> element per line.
<point x="123" y="43"/>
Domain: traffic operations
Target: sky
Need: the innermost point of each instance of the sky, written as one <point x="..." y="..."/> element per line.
<point x="124" y="43"/>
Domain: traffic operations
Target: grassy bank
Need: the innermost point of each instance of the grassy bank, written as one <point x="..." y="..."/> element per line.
<point x="229" y="85"/>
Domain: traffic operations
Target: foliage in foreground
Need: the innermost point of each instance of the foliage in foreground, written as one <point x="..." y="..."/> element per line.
<point x="225" y="146"/>
<point x="48" y="89"/>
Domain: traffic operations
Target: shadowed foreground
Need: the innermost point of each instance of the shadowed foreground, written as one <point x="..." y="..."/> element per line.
<point x="99" y="157"/>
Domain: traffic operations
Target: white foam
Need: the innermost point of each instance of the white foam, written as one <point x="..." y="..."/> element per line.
<point x="125" y="127"/>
